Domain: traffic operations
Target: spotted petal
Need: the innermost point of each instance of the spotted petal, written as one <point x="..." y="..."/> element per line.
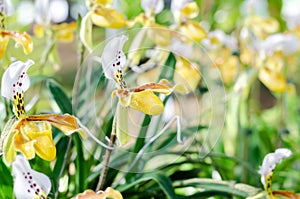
<point x="271" y="160"/>
<point x="15" y="79"/>
<point x="113" y="58"/>
<point x="29" y="183"/>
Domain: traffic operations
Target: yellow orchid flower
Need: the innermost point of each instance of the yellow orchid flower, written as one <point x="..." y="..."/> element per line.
<point x="186" y="74"/>
<point x="183" y="11"/>
<point x="141" y="98"/>
<point x="102" y="15"/>
<point x="20" y="39"/>
<point x="159" y="34"/>
<point x="29" y="134"/>
<point x="108" y="193"/>
<point x="260" y="26"/>
<point x="63" y="32"/>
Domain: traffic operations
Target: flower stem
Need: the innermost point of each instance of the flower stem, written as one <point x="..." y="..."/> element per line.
<point x="107" y="157"/>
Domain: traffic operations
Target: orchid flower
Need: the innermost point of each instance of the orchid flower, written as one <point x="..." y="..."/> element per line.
<point x="221" y="47"/>
<point x="29" y="183"/>
<point x="19" y="38"/>
<point x="141" y="98"/>
<point x="29" y="134"/>
<point x="268" y="165"/>
<point x="63" y="32"/>
<point x="183" y="12"/>
<point x="159" y="34"/>
<point x="103" y="15"/>
<point x="108" y="193"/>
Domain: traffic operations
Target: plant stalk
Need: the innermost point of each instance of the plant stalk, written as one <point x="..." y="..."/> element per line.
<point x="107" y="158"/>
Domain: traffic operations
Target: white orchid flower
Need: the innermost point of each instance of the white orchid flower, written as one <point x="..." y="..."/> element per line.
<point x="15" y="82"/>
<point x="271" y="160"/>
<point x="287" y="43"/>
<point x="150" y="6"/>
<point x="217" y="38"/>
<point x="29" y="183"/>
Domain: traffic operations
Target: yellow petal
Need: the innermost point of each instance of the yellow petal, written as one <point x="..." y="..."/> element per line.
<point x="160" y="35"/>
<point x="193" y="30"/>
<point x="186" y="74"/>
<point x="45" y="147"/>
<point x="65" y="31"/>
<point x="260" y="26"/>
<point x="85" y="32"/>
<point x="273" y="80"/>
<point x="39" y="30"/>
<point x="191" y="10"/>
<point x="66" y="123"/>
<point x="41" y="134"/>
<point x="122" y="124"/>
<point x="7" y="140"/>
<point x="147" y="102"/>
<point x="20" y="39"/>
<point x="3" y="45"/>
<point x="24" y="146"/>
<point x="108" y="18"/>
<point x="104" y="2"/>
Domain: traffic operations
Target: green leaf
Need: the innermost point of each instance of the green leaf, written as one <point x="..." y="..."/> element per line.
<point x="162" y="180"/>
<point x="79" y="164"/>
<point x="218" y="187"/>
<point x="168" y="69"/>
<point x="60" y="97"/>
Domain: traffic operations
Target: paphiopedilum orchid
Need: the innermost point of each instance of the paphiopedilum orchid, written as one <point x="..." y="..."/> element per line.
<point x="159" y="34"/>
<point x="221" y="47"/>
<point x="268" y="165"/>
<point x="19" y="38"/>
<point x="101" y="14"/>
<point x="29" y="134"/>
<point x="29" y="183"/>
<point x="63" y="32"/>
<point x="141" y="98"/>
<point x="183" y="12"/>
<point x="108" y="193"/>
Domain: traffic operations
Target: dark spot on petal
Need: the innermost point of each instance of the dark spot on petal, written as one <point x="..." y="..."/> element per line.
<point x="21" y="76"/>
<point x="38" y="190"/>
<point x="119" y="57"/>
<point x="20" y="84"/>
<point x="114" y="65"/>
<point x="30" y="177"/>
<point x="14" y="85"/>
<point x="28" y="190"/>
<point x="34" y="184"/>
<point x="31" y="186"/>
<point x="20" y="95"/>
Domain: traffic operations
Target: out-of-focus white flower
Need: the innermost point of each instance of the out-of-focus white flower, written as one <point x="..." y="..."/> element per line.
<point x="258" y="7"/>
<point x="290" y="11"/>
<point x="287" y="43"/>
<point x="270" y="162"/>
<point x="181" y="48"/>
<point x="150" y="6"/>
<point x="177" y="5"/>
<point x="217" y="38"/>
<point x="29" y="183"/>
